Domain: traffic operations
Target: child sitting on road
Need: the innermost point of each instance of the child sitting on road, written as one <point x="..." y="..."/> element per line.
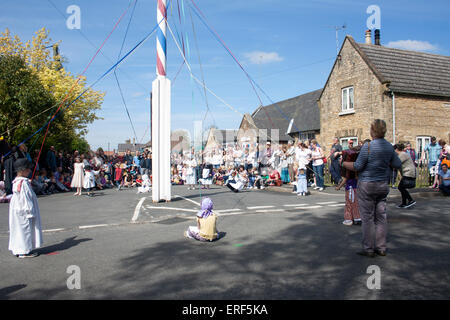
<point x="206" y="224"/>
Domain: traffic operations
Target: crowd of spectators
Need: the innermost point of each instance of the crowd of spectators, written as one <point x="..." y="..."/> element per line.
<point x="242" y="166"/>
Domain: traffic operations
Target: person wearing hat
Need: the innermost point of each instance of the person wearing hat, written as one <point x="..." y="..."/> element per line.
<point x="25" y="233"/>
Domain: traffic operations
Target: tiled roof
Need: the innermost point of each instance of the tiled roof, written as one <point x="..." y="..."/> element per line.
<point x="410" y="71"/>
<point x="303" y="109"/>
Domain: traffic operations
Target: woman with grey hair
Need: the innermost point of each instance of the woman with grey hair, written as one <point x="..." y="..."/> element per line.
<point x="373" y="167"/>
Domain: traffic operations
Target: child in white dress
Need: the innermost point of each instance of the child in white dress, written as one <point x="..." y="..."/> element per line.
<point x="89" y="179"/>
<point x="25" y="232"/>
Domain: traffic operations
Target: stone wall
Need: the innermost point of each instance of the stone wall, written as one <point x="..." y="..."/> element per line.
<point x="421" y="116"/>
<point x="370" y="99"/>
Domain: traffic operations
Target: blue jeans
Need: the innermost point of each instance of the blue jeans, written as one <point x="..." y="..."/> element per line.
<point x="318" y="172"/>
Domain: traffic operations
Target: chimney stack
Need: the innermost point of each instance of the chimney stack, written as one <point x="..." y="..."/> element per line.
<point x="368" y="37"/>
<point x="377" y="37"/>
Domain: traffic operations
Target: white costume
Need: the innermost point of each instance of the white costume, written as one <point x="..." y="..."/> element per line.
<point x="146" y="184"/>
<point x="190" y="171"/>
<point x="25" y="232"/>
<point x="89" y="179"/>
<point x="206" y="179"/>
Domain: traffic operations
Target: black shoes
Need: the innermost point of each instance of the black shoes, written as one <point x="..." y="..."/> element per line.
<point x="366" y="254"/>
<point x="381" y="252"/>
<point x="369" y="254"/>
<point x="410" y="204"/>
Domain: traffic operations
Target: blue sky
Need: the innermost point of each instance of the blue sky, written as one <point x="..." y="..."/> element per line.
<point x="288" y="48"/>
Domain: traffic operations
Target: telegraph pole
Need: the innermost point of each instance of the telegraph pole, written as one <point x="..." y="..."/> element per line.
<point x="161" y="105"/>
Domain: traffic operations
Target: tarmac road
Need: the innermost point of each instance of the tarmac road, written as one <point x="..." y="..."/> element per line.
<point x="275" y="246"/>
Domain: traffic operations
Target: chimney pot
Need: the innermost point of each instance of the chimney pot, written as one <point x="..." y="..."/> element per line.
<point x="368" y="37"/>
<point x="377" y="37"/>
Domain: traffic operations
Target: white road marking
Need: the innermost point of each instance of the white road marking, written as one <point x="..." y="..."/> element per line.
<point x="228" y="210"/>
<point x="138" y="209"/>
<point x="230" y="213"/>
<point x="337" y="205"/>
<point x="169" y="208"/>
<point x="93" y="226"/>
<point x="329" y="202"/>
<point x="310" y="207"/>
<point x="260" y="207"/>
<point x="194" y="202"/>
<point x="295" y="205"/>
<point x="54" y="230"/>
<point x="270" y="210"/>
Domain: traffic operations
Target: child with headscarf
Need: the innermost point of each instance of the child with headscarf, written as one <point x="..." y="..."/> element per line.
<point x="206" y="223"/>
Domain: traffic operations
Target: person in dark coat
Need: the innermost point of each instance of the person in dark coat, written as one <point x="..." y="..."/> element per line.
<point x="335" y="156"/>
<point x="51" y="159"/>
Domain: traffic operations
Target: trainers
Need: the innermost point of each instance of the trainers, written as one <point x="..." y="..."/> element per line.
<point x="320" y="189"/>
<point x="401" y="205"/>
<point x="410" y="204"/>
<point x="315" y="188"/>
<point x="347" y="222"/>
<point x="29" y="255"/>
<point x="357" y="222"/>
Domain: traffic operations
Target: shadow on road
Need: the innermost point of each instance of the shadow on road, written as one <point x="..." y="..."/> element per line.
<point x="5" y="292"/>
<point x="313" y="257"/>
<point x="66" y="244"/>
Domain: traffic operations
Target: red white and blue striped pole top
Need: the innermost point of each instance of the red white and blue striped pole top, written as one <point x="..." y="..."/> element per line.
<point x="161" y="50"/>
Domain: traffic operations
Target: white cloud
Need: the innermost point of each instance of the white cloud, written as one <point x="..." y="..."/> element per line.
<point x="260" y="57"/>
<point x="414" y="45"/>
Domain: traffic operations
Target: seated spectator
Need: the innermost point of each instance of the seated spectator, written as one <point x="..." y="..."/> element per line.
<point x="59" y="187"/>
<point x="259" y="182"/>
<point x="3" y="196"/>
<point x="274" y="178"/>
<point x="206" y="224"/>
<point x="146" y="184"/>
<point x="45" y="183"/>
<point x="444" y="180"/>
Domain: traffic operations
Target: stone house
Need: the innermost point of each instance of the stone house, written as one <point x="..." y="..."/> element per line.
<point x="291" y="119"/>
<point x="409" y="90"/>
<point x="217" y="138"/>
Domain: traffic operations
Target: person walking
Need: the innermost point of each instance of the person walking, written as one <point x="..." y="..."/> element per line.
<point x="373" y="167"/>
<point x="408" y="172"/>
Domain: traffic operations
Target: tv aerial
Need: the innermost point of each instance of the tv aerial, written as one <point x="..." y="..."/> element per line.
<point x="337" y="28"/>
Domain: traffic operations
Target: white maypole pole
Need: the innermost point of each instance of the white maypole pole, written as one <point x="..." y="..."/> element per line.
<point x="161" y="185"/>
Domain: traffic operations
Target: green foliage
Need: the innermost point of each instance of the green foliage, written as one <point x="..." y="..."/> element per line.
<point x="22" y="96"/>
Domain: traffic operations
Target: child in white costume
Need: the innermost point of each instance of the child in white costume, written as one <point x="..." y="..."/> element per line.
<point x="146" y="184"/>
<point x="25" y="233"/>
<point x="89" y="179"/>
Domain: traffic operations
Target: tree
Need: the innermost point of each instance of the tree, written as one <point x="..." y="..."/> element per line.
<point x="22" y="96"/>
<point x="57" y="81"/>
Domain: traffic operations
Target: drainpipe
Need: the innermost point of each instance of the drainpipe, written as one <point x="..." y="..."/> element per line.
<point x="393" y="117"/>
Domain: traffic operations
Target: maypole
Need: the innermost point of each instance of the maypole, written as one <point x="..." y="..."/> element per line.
<point x="161" y="185"/>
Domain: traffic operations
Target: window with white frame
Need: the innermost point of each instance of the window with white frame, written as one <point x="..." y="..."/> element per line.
<point x="344" y="142"/>
<point x="347" y="99"/>
<point x="421" y="143"/>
